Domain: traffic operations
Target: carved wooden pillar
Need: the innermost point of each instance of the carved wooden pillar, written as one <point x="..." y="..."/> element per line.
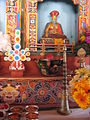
<point x="84" y="14"/>
<point x="31" y="23"/>
<point x="12" y="8"/>
<point x="88" y="4"/>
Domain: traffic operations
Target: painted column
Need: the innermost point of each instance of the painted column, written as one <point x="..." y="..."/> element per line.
<point x="12" y="8"/>
<point x="31" y="23"/>
<point x="88" y="3"/>
<point x="84" y="14"/>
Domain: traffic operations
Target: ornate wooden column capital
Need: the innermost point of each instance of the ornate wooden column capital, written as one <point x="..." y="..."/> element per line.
<point x="76" y="1"/>
<point x="35" y="1"/>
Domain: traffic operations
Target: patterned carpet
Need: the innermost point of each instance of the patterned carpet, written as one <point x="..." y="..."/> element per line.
<point x="77" y="114"/>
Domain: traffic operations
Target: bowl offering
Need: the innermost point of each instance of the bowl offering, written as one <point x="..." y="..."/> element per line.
<point x="17" y="109"/>
<point x="13" y="116"/>
<point x="31" y="108"/>
<point x="2" y="115"/>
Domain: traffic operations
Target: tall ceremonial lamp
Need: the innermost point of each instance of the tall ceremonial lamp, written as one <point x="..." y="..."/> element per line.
<point x="64" y="109"/>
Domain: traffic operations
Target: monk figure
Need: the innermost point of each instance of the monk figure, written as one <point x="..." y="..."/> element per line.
<point x="53" y="29"/>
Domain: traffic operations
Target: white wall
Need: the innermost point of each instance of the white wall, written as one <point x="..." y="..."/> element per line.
<point x="66" y="17"/>
<point x="2" y="15"/>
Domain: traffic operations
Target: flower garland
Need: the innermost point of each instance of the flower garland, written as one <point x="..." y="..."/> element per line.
<point x="80" y="87"/>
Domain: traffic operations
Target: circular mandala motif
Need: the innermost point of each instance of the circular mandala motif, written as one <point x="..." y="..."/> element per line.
<point x="28" y="59"/>
<point x="17" y="46"/>
<point x="16" y="52"/>
<point x="10" y="58"/>
<point x="22" y="51"/>
<point x="17" y="39"/>
<point x="5" y="58"/>
<point x="11" y="52"/>
<point x="42" y="92"/>
<point x="17" y="33"/>
<point x="23" y="57"/>
<point x="28" y="54"/>
<point x="16" y="58"/>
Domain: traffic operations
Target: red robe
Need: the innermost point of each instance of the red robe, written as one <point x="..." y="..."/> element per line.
<point x="53" y="29"/>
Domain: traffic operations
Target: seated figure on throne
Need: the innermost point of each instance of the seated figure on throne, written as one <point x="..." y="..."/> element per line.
<point x="54" y="30"/>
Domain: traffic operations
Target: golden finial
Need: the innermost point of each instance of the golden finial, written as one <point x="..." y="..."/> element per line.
<point x="81" y="53"/>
